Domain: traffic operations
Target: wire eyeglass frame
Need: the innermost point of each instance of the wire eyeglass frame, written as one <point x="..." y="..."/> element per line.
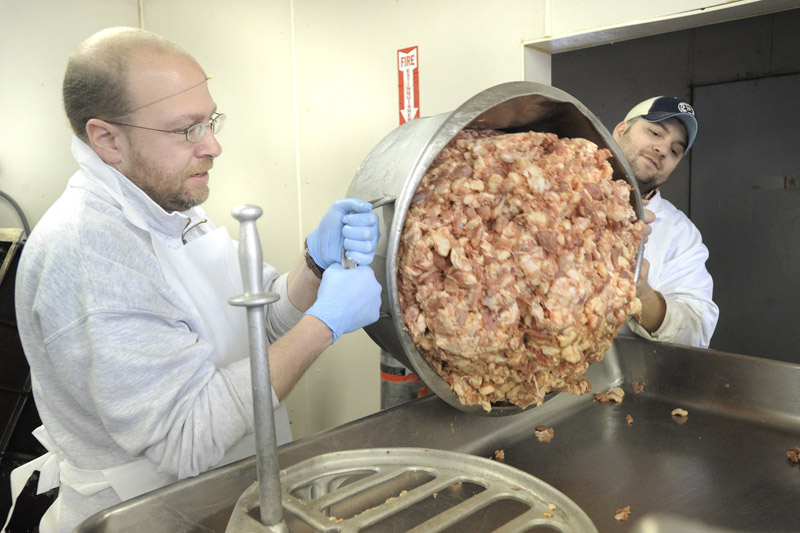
<point x="193" y="134"/>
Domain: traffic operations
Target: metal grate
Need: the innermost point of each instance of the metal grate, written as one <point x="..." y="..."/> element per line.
<point x="414" y="490"/>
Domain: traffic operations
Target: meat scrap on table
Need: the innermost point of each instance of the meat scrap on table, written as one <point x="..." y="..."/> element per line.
<point x="544" y="433"/>
<point x="793" y="454"/>
<point x="614" y="395"/>
<point x="516" y="264"/>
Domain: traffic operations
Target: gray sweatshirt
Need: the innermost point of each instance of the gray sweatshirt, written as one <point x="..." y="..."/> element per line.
<point x="119" y="367"/>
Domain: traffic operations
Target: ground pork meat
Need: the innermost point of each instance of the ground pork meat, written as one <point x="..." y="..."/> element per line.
<point x="793" y="454"/>
<point x="614" y="395"/>
<point x="516" y="264"/>
<point x="544" y="433"/>
<point x="623" y="514"/>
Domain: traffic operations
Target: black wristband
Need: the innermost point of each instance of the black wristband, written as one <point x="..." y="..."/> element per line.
<point x="311" y="264"/>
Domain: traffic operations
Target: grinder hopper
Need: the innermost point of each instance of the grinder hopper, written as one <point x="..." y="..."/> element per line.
<point x="396" y="165"/>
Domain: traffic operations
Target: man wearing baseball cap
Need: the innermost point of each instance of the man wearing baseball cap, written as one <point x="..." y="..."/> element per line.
<point x="674" y="285"/>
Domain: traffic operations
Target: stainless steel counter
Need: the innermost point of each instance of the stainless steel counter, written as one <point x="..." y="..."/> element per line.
<point x="724" y="467"/>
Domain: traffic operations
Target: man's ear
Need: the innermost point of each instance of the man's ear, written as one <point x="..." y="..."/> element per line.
<point x="619" y="130"/>
<point x="104" y="140"/>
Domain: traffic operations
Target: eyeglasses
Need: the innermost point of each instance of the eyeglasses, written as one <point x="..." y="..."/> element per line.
<point x="194" y="133"/>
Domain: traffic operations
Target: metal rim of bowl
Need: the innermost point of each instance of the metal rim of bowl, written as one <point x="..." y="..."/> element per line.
<point x="473" y="113"/>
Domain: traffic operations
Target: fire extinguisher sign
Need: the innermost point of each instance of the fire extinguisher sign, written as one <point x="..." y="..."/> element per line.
<point x="408" y="83"/>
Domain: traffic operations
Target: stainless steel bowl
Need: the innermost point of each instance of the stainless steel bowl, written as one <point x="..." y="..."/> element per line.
<point x="396" y="165"/>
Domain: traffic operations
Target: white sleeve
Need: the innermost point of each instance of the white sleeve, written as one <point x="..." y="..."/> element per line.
<point x="282" y="315"/>
<point x="687" y="288"/>
<point x="688" y="321"/>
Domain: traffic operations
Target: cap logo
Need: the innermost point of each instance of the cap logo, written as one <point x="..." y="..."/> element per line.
<point x="683" y="107"/>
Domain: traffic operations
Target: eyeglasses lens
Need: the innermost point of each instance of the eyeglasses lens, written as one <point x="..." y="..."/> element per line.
<point x="217" y="122"/>
<point x="196" y="133"/>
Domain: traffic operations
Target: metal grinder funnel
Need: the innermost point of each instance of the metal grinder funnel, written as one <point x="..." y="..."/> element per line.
<point x="396" y="165"/>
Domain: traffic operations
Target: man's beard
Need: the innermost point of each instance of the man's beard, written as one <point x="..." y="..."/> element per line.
<point x="168" y="190"/>
<point x="646" y="187"/>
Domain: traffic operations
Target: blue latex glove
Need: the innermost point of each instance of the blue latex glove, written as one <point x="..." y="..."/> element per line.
<point x="349" y="225"/>
<point x="348" y="299"/>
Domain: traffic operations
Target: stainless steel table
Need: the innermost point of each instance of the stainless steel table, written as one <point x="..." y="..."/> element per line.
<point x="723" y="468"/>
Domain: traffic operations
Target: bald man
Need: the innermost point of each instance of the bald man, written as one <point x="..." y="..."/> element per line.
<point x="139" y="366"/>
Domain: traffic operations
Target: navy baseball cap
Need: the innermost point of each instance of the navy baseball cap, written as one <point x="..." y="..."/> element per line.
<point x="661" y="108"/>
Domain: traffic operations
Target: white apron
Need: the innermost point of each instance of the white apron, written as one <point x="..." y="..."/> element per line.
<point x="205" y="273"/>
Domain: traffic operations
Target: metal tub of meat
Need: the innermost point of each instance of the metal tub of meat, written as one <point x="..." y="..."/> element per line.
<point x="510" y="246"/>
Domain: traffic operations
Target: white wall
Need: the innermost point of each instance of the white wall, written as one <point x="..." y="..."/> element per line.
<point x="574" y="16"/>
<point x="309" y="86"/>
<point x="35" y="40"/>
